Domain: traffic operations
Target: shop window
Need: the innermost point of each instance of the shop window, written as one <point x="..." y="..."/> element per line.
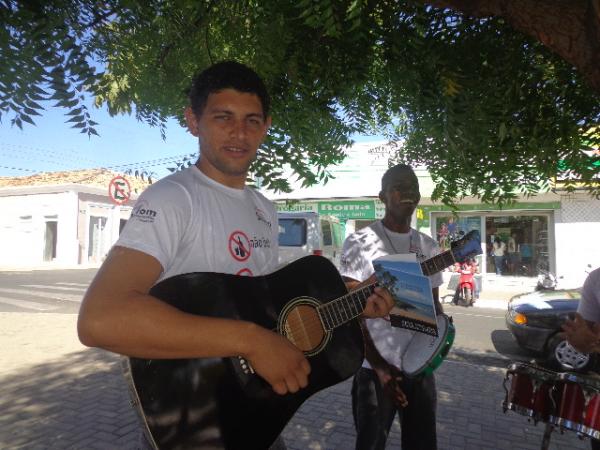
<point x="517" y="245"/>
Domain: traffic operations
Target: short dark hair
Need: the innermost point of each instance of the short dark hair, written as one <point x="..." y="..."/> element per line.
<point x="227" y="75"/>
<point x="393" y="172"/>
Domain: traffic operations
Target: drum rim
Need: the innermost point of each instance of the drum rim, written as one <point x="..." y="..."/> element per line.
<point x="426" y="367"/>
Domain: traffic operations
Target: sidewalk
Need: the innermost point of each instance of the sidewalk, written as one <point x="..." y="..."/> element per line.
<point x="496" y="290"/>
<point x="57" y="394"/>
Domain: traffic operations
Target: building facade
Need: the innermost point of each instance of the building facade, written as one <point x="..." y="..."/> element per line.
<point x="554" y="230"/>
<point x="64" y="219"/>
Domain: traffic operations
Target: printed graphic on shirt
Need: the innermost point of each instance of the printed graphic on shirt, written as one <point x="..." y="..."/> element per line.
<point x="239" y="246"/>
<point x="262" y="217"/>
<point x="245" y="273"/>
<point x="143" y="213"/>
<point x="260" y="242"/>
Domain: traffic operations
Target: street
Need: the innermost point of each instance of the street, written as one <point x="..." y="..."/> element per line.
<point x="58" y="291"/>
<point x="58" y="394"/>
<point x="480" y="331"/>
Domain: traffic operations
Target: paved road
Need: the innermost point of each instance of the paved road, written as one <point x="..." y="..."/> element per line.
<point x="44" y="290"/>
<point x="57" y="394"/>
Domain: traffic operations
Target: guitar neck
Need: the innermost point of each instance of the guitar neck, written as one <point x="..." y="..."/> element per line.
<point x="348" y="307"/>
<point x="438" y="263"/>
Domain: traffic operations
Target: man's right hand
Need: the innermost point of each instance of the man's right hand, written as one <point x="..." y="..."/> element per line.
<point x="279" y="362"/>
<point x="390" y="378"/>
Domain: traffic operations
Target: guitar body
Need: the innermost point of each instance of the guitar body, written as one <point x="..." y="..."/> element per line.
<point x="211" y="403"/>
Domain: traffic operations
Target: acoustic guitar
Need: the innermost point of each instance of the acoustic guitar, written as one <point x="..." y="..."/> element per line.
<point x="210" y="403"/>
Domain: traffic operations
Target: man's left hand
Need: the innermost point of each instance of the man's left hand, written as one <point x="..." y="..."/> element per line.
<point x="380" y="303"/>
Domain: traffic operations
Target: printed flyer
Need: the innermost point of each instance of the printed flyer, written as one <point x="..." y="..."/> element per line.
<point x="411" y="290"/>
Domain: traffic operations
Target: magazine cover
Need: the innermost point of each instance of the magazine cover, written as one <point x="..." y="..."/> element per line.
<point x="411" y="290"/>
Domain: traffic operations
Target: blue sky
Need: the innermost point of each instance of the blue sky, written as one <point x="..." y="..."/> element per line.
<point x="52" y="145"/>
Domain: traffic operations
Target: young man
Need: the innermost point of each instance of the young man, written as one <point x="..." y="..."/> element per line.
<point x="583" y="332"/>
<point x="196" y="220"/>
<point x="379" y="389"/>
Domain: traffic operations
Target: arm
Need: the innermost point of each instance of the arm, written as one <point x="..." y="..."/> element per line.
<point x="583" y="334"/>
<point x="117" y="314"/>
<point x="439" y="309"/>
<point x="388" y="374"/>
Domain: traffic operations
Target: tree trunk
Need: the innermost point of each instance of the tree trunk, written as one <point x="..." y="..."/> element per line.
<point x="570" y="28"/>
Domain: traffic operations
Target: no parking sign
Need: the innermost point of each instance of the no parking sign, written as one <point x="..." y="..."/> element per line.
<point x="119" y="190"/>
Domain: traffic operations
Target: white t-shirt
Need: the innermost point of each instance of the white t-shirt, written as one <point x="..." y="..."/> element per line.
<point x="589" y="305"/>
<point x="358" y="253"/>
<point x="499" y="248"/>
<point x="191" y="223"/>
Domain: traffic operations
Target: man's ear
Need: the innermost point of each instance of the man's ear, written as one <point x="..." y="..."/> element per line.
<point x="267" y="125"/>
<point x="191" y="120"/>
<point x="382" y="196"/>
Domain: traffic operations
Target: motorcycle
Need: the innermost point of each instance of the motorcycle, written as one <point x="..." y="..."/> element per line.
<point x="546" y="281"/>
<point x="465" y="291"/>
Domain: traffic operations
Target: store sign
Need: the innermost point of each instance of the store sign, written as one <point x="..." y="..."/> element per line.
<point x="296" y="206"/>
<point x="349" y="209"/>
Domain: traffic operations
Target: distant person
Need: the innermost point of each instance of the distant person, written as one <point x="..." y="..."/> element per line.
<point x="379" y="390"/>
<point x="526" y="254"/>
<point x="443" y="236"/>
<point x="512" y="248"/>
<point x="452" y="228"/>
<point x="499" y="250"/>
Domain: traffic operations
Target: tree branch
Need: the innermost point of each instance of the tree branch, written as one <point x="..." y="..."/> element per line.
<point x="571" y="29"/>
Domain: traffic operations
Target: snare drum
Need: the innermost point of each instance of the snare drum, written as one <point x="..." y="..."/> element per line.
<point x="530" y="391"/>
<point x="591" y="421"/>
<point x="578" y="404"/>
<point x="570" y="402"/>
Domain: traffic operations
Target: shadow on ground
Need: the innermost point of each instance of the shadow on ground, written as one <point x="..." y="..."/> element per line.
<point x="79" y="401"/>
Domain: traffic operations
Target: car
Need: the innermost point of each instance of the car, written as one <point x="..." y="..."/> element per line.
<point x="535" y="319"/>
<point x="309" y="233"/>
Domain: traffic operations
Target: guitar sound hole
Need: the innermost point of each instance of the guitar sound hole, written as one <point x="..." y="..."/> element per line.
<point x="303" y="327"/>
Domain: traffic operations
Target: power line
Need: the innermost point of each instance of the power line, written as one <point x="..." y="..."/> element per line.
<point x="18" y="168"/>
<point x="60" y="159"/>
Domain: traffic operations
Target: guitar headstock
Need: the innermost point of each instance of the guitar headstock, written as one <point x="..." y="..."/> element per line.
<point x="467" y="247"/>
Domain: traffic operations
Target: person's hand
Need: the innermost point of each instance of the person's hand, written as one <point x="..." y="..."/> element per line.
<point x="279" y="362"/>
<point x="582" y="335"/>
<point x="390" y="378"/>
<point x="380" y="303"/>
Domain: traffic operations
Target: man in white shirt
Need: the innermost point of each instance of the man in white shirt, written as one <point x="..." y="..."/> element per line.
<point x="379" y="390"/>
<point x="201" y="219"/>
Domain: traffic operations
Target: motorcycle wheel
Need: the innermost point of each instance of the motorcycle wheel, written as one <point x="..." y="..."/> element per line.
<point x="467" y="295"/>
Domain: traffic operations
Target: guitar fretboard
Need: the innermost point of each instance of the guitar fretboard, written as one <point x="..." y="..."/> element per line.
<point x="438" y="263"/>
<point x="346" y="308"/>
<point x="342" y="310"/>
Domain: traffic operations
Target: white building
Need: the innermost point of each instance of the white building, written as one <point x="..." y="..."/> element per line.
<point x="63" y="219"/>
<point x="555" y="227"/>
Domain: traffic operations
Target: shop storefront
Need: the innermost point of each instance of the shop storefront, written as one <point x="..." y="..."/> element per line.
<point x="515" y="242"/>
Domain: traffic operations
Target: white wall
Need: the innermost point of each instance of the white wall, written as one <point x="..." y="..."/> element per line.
<point x="22" y="240"/>
<point x="577" y="234"/>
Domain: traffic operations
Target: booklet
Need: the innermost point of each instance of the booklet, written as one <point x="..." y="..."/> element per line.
<point x="411" y="290"/>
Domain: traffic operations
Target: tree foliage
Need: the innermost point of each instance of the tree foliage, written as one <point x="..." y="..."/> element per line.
<point x="488" y="110"/>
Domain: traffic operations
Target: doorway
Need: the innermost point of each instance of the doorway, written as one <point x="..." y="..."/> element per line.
<point x="50" y="238"/>
<point x="97" y="239"/>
